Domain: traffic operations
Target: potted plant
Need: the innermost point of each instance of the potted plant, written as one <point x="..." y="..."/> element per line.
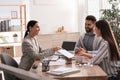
<point x="15" y="37"/>
<point x="112" y="15"/>
<point x="34" y="67"/>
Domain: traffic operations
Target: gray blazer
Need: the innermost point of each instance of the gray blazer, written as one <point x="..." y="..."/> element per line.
<point x="31" y="51"/>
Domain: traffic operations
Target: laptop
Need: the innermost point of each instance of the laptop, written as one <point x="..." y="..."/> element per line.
<point x="68" y="45"/>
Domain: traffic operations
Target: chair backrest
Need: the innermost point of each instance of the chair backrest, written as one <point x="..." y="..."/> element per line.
<point x="8" y="60"/>
<point x="118" y="75"/>
<point x="23" y="74"/>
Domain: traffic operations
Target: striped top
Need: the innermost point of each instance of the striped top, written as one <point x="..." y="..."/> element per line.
<point x="102" y="58"/>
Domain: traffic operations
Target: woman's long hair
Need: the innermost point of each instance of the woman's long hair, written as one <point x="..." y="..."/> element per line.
<point x="31" y="23"/>
<point x="107" y="34"/>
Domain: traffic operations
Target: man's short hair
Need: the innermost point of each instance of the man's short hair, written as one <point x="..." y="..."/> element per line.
<point x="91" y="17"/>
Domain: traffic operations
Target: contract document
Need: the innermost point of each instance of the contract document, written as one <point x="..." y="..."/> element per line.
<point x="66" y="53"/>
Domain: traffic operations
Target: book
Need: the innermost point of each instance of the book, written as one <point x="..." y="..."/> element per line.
<point x="2" y="26"/>
<point x="63" y="71"/>
<point x="7" y="25"/>
<point x="65" y="53"/>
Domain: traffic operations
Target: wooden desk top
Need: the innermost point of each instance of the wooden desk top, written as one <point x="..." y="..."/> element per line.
<point x="86" y="73"/>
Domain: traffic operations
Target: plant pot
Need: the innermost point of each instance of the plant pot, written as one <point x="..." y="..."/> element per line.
<point x="15" y="39"/>
<point x="34" y="70"/>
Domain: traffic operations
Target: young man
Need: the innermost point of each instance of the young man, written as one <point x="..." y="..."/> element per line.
<point x="88" y="41"/>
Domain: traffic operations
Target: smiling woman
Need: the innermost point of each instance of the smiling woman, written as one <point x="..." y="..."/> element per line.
<point x="30" y="48"/>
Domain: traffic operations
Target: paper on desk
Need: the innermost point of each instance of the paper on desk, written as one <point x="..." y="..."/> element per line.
<point x="61" y="69"/>
<point x="66" y="53"/>
<point x="58" y="62"/>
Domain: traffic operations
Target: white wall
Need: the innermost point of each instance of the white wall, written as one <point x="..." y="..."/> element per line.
<point x="55" y="13"/>
<point x="82" y="13"/>
<point x="10" y="1"/>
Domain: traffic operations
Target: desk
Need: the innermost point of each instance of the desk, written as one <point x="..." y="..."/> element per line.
<point x="86" y="73"/>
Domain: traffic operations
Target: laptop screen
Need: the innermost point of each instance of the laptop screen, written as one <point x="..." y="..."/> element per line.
<point x="68" y="45"/>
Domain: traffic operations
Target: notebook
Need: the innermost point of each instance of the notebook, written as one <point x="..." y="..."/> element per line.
<point x="68" y="45"/>
<point x="63" y="71"/>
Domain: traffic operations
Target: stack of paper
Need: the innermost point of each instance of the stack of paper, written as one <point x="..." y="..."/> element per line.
<point x="62" y="71"/>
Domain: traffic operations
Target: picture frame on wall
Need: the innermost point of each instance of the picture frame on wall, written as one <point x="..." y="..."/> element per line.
<point x="14" y="14"/>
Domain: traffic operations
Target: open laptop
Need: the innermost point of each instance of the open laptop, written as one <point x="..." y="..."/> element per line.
<point x="68" y="45"/>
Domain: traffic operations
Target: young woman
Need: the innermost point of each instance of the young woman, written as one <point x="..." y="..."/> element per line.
<point x="30" y="48"/>
<point x="108" y="53"/>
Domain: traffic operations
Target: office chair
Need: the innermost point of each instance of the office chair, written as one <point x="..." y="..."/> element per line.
<point x="118" y="76"/>
<point x="8" y="60"/>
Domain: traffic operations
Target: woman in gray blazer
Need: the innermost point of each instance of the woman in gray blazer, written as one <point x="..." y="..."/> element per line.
<point x="30" y="48"/>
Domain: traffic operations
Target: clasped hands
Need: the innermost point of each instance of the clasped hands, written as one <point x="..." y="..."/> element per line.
<point x="80" y="52"/>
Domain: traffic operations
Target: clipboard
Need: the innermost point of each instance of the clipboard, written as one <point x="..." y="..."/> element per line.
<point x="65" y="53"/>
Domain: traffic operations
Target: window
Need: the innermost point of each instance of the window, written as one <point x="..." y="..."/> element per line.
<point x="93" y="8"/>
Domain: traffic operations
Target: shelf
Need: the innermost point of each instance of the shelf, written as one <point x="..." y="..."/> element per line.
<point x="11" y="4"/>
<point x="10" y="44"/>
<point x="13" y="21"/>
<point x="11" y="18"/>
<point x="9" y="31"/>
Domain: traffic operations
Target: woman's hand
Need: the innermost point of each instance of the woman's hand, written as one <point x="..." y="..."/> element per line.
<point x="83" y="50"/>
<point x="56" y="48"/>
<point x="83" y="53"/>
<point x="80" y="52"/>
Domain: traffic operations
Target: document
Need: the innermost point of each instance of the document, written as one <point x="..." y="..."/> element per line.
<point x="58" y="62"/>
<point x="55" y="60"/>
<point x="62" y="71"/>
<point x="66" y="53"/>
